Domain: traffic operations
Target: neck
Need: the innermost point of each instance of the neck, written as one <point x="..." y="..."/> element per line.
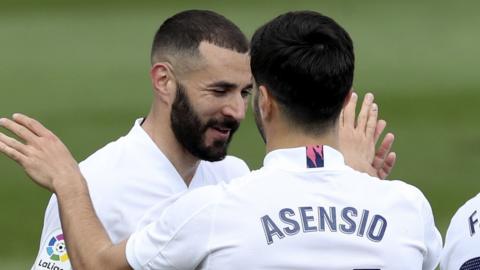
<point x="158" y="128"/>
<point x="296" y="138"/>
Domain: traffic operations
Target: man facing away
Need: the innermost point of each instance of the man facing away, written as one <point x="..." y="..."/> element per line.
<point x="462" y="243"/>
<point x="304" y="209"/>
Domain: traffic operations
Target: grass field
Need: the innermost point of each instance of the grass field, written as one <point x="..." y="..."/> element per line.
<point x="82" y="69"/>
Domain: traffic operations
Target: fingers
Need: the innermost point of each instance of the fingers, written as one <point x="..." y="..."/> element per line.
<point x="383" y="151"/>
<point x="12" y="143"/>
<point x="388" y="165"/>
<point x="32" y="124"/>
<point x="364" y="111"/>
<point x="372" y="121"/>
<point x="11" y="152"/>
<point x="381" y="125"/>
<point x="349" y="111"/>
<point x="17" y="129"/>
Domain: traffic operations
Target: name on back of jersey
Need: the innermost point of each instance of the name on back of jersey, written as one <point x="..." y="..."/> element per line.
<point x="473" y="223"/>
<point x="306" y="219"/>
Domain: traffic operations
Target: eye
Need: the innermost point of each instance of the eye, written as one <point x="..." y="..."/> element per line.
<point x="246" y="92"/>
<point x="218" y="91"/>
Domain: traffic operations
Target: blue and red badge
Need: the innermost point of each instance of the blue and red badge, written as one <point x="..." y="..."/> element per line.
<point x="315" y="156"/>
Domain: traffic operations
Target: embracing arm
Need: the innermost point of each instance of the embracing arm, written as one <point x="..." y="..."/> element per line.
<point x="87" y="241"/>
<point x="49" y="163"/>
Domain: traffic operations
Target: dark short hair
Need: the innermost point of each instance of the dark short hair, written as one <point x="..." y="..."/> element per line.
<point x="306" y="61"/>
<point x="183" y="32"/>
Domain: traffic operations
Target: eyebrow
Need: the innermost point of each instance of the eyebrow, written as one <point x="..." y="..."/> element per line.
<point x="222" y="84"/>
<point x="228" y="85"/>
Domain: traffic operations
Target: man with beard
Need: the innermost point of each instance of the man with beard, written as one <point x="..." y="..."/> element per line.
<point x="182" y="142"/>
<point x="210" y="71"/>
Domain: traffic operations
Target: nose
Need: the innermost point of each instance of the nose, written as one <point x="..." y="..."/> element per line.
<point x="235" y="107"/>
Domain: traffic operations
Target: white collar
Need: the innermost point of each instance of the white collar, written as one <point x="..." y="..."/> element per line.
<point x="155" y="155"/>
<point x="144" y="140"/>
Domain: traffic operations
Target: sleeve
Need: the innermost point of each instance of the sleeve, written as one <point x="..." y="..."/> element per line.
<point x="462" y="243"/>
<point x="432" y="238"/>
<point x="179" y="238"/>
<point x="154" y="212"/>
<point x="52" y="251"/>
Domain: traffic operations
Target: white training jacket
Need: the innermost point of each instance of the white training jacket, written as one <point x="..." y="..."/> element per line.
<point x="304" y="209"/>
<point x="125" y="179"/>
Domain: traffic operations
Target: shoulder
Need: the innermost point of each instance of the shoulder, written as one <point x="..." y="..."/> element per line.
<point x="408" y="191"/>
<point x="406" y="198"/>
<point x="181" y="231"/>
<point x="229" y="162"/>
<point x="464" y="221"/>
<point x="410" y="197"/>
<point x="103" y="157"/>
<point x="233" y="160"/>
<point x="393" y="190"/>
<point x="197" y="200"/>
<point x="228" y="168"/>
<point x="463" y="235"/>
<point x="112" y="159"/>
<point x="398" y="190"/>
<point x="467" y="208"/>
<point x="195" y="203"/>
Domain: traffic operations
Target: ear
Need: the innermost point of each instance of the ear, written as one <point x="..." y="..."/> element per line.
<point x="266" y="103"/>
<point x="347" y="98"/>
<point x="163" y="81"/>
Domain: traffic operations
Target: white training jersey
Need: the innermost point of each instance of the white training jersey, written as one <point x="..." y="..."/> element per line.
<point x="462" y="244"/>
<point x="126" y="178"/>
<point x="304" y="209"/>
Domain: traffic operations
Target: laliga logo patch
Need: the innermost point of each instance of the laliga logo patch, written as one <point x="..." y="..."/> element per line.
<point x="53" y="254"/>
<point x="56" y="249"/>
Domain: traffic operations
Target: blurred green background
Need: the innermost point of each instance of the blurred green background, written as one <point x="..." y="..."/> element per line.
<point x="82" y="69"/>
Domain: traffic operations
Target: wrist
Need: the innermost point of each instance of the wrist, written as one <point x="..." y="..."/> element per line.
<point x="69" y="182"/>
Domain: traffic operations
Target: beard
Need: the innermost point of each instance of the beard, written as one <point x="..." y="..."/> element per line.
<point x="256" y="114"/>
<point x="190" y="130"/>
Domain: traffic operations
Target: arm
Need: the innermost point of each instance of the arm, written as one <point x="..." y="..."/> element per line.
<point x="51" y="230"/>
<point x="87" y="241"/>
<point x="49" y="163"/>
<point x="358" y="138"/>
